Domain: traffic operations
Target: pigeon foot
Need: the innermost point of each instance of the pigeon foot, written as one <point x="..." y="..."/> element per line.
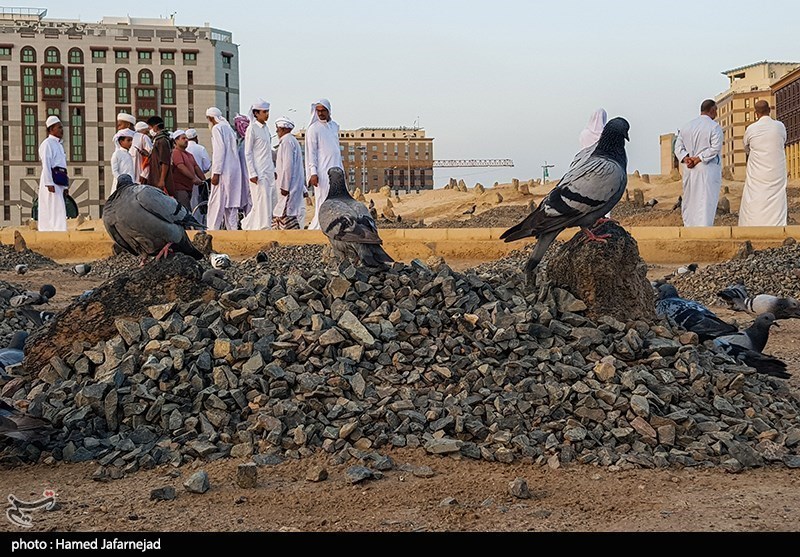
<point x="603" y="220"/>
<point x="592" y="237"/>
<point x="164" y="251"/>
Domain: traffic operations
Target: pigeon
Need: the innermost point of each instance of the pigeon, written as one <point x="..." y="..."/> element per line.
<point x="18" y="425"/>
<point x="678" y="203"/>
<point x="86" y="295"/>
<point x="470" y="211"/>
<point x="262" y="257"/>
<point x="691" y="315"/>
<point x="30" y="298"/>
<point x="592" y="186"/>
<point x="21" y="269"/>
<point x="220" y="260"/>
<point x="13" y="353"/>
<point x="690" y="268"/>
<point x="215" y="279"/>
<point x="755" y="337"/>
<point x="348" y="225"/>
<point x="768" y="365"/>
<point x="82" y="269"/>
<point x="144" y="221"/>
<point x="738" y="300"/>
<point x="652" y="203"/>
<point x="38" y="318"/>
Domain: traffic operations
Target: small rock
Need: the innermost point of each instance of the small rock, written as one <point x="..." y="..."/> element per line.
<point x="357" y="474"/>
<point x="166" y="493"/>
<point x="519" y="489"/>
<point x="316" y="474"/>
<point x="247" y="475"/>
<point x="197" y="482"/>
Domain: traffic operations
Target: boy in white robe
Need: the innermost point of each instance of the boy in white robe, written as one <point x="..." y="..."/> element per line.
<point x="289" y="212"/>
<point x="121" y="160"/>
<point x="260" y="168"/>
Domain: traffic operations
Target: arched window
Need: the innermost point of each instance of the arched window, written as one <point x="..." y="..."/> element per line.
<point x="123" y="87"/>
<point x="76" y="85"/>
<point x="29" y="85"/>
<point x="145" y="77"/>
<point x="28" y="55"/>
<point x="76" y="56"/>
<point x="167" y="87"/>
<point x="52" y="56"/>
<point x="29" y="133"/>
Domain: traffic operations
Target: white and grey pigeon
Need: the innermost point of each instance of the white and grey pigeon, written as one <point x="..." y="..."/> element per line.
<point x="593" y="185"/>
<point x="21" y="269"/>
<point x="691" y="315"/>
<point x="748" y="346"/>
<point x="737" y="298"/>
<point x="144" y="221"/>
<point x="13" y="353"/>
<point x="220" y="260"/>
<point x="31" y="298"/>
<point x="348" y="225"/>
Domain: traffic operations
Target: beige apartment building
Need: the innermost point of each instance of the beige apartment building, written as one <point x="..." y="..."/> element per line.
<point x="86" y="73"/>
<point x="735" y="108"/>
<point x="401" y="158"/>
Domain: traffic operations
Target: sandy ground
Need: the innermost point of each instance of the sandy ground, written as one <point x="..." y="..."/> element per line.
<point x="576" y="498"/>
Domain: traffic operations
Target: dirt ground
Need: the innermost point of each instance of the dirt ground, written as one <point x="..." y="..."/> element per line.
<point x="575" y="498"/>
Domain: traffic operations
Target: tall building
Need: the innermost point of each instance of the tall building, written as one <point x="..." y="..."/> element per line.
<point x="787" y="109"/>
<point x="735" y="108"/>
<point x="400" y="158"/>
<point x="86" y="73"/>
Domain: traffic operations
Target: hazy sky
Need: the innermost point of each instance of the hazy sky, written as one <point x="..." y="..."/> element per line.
<point x="489" y="79"/>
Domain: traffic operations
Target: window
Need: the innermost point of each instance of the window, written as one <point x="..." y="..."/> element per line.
<point x="123" y="87"/>
<point x="28" y="54"/>
<point x="168" y="87"/>
<point x="76" y="85"/>
<point x="99" y="55"/>
<point x="145" y="56"/>
<point x="167" y="56"/>
<point x="747" y="103"/>
<point x="145" y="113"/>
<point x="747" y="117"/>
<point x="76" y="147"/>
<point x="52" y="56"/>
<point x="226" y="61"/>
<point x="53" y="111"/>
<point x="28" y="85"/>
<point x="76" y="56"/>
<point x="29" y="139"/>
<point x="169" y="118"/>
<point x="189" y="57"/>
<point x="5" y="52"/>
<point x="145" y="77"/>
<point x="53" y="72"/>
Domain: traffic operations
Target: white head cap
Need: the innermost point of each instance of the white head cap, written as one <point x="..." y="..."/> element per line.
<point x="177" y="133"/>
<point x="52" y="121"/>
<point x="191" y="133"/>
<point x="214" y="112"/>
<point x="284" y="122"/>
<point x="124" y="117"/>
<point x="141" y="127"/>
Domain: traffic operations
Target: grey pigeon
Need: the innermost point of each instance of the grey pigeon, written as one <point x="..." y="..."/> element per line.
<point x="737" y="299"/>
<point x="30" y="298"/>
<point x="348" y="225"/>
<point x="144" y="221"/>
<point x="220" y="260"/>
<point x="592" y="186"/>
<point x="13" y="353"/>
<point x="18" y="425"/>
<point x="691" y="315"/>
<point x="21" y="269"/>
<point x="82" y="269"/>
<point x="747" y="347"/>
<point x="755" y="337"/>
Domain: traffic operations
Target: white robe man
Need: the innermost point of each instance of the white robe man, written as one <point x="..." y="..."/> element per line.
<point x="203" y="161"/>
<point x="225" y="196"/>
<point x="290" y="210"/>
<point x="141" y="148"/>
<point x="698" y="147"/>
<point x="125" y="121"/>
<point x="322" y="153"/>
<point x="260" y="168"/>
<point x="52" y="207"/>
<point x="764" y="198"/>
<point x="121" y="160"/>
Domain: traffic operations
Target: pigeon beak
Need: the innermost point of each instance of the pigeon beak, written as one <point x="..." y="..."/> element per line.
<point x="775" y="324"/>
<point x="627" y="137"/>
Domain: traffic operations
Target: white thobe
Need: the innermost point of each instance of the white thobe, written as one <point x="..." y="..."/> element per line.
<point x="702" y="137"/>
<point x="140" y="143"/>
<point x="225" y="198"/>
<point x="764" y="197"/>
<point x="322" y="153"/>
<point x="121" y="163"/>
<point x="203" y="161"/>
<point x="258" y="159"/>
<point x="52" y="208"/>
<point x="291" y="179"/>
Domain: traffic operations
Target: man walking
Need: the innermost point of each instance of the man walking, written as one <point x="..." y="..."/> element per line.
<point x="697" y="147"/>
<point x="764" y="197"/>
<point x="290" y="209"/>
<point x="54" y="182"/>
<point x="322" y="153"/>
<point x="186" y="174"/>
<point x="260" y="168"/>
<point x="226" y="175"/>
<point x="160" y="171"/>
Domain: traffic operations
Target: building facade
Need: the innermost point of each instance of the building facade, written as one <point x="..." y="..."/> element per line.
<point x="401" y="158"/>
<point x="735" y="108"/>
<point x="787" y="109"/>
<point x="86" y="73"/>
<point x="669" y="162"/>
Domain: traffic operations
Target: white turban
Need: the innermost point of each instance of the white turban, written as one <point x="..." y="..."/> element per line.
<point x="591" y="134"/>
<point x="215" y="113"/>
<point x="314" y="118"/>
<point x="123" y="133"/>
<point x="141" y="127"/>
<point x="191" y="133"/>
<point x="260" y="104"/>
<point x="284" y="122"/>
<point x="177" y="133"/>
<point x="52" y="121"/>
<point x="124" y="117"/>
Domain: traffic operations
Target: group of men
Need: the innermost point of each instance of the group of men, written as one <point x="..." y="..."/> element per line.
<point x="252" y="184"/>
<point x="698" y="148"/>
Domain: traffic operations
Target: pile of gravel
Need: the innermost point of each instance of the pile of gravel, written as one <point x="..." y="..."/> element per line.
<point x="351" y="362"/>
<point x="497" y="217"/>
<point x="771" y="271"/>
<point x="10" y="258"/>
<point x="281" y="260"/>
<point x="114" y="265"/>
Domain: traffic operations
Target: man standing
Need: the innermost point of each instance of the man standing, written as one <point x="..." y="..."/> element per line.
<point x="140" y="151"/>
<point x="764" y="197"/>
<point x="697" y="147"/>
<point x="160" y="171"/>
<point x="322" y="153"/>
<point x="260" y="168"/>
<point x="53" y="183"/>
<point x="125" y="121"/>
<point x="226" y="174"/>
<point x="204" y="162"/>
<point x="289" y="211"/>
<point x="186" y="174"/>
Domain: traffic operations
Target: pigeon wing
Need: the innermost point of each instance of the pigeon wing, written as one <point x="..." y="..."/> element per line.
<point x="166" y="208"/>
<point x="346" y="222"/>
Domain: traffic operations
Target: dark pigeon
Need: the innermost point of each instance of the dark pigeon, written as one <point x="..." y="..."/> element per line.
<point x="18" y="425"/>
<point x="30" y="298"/>
<point x="592" y="186"/>
<point x="737" y="298"/>
<point x="762" y="363"/>
<point x="348" y="225"/>
<point x="13" y="353"/>
<point x="144" y="221"/>
<point x="691" y="315"/>
<point x="37" y="317"/>
<point x="755" y="337"/>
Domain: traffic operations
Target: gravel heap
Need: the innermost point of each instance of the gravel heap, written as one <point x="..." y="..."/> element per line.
<point x="281" y="260"/>
<point x="10" y="258"/>
<point x="10" y="320"/>
<point x="351" y="363"/>
<point x="497" y="217"/>
<point x="769" y="271"/>
<point x="114" y="265"/>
